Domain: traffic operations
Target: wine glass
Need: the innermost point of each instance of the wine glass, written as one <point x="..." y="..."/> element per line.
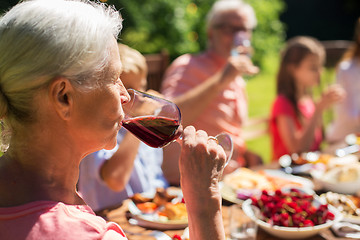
<point x="156" y="121"/>
<point x="241" y="38"/>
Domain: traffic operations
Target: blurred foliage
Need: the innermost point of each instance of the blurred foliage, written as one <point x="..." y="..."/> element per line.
<point x="179" y="26"/>
<point x="6" y="5"/>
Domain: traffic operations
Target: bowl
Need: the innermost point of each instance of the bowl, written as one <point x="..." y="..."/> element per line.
<point x="344" y="179"/>
<point x="290" y="232"/>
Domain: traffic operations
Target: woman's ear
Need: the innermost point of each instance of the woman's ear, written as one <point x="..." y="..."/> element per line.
<point x="60" y="93"/>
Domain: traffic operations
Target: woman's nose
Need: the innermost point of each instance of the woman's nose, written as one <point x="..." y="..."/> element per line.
<point x="124" y="94"/>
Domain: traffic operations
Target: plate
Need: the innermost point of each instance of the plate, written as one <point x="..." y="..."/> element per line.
<point x="153" y="220"/>
<point x="186" y="234"/>
<point x="304" y="182"/>
<point x="229" y="193"/>
<point x="290" y="232"/>
<point x="331" y="180"/>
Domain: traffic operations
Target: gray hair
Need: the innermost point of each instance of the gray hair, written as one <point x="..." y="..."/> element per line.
<point x="43" y="39"/>
<point x="222" y="6"/>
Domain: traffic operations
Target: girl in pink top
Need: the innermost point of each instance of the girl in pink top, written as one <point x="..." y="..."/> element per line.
<point x="296" y="120"/>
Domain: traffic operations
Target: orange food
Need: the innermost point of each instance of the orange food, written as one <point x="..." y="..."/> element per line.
<point x="147" y="207"/>
<point x="175" y="211"/>
<point x="245" y="178"/>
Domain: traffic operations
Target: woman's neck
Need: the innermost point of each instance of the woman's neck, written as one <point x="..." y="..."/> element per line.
<point x="39" y="170"/>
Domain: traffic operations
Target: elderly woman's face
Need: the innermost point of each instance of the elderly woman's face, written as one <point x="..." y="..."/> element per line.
<point x="100" y="111"/>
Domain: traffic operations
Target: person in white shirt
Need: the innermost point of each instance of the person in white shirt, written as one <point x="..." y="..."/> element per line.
<point x="347" y="113"/>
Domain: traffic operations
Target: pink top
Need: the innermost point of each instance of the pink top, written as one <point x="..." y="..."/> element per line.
<point x="282" y="106"/>
<point x="226" y="112"/>
<point x="55" y="220"/>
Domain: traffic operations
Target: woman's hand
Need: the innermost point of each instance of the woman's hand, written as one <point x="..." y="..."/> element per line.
<point x="201" y="166"/>
<point x="202" y="161"/>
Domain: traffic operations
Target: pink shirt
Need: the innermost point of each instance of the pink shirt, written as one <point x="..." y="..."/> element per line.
<point x="282" y="106"/>
<point x="226" y="112"/>
<point x="55" y="220"/>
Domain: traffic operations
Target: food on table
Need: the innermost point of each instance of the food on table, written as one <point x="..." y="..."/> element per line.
<point x="342" y="161"/>
<point x="175" y="211"/>
<point x="247" y="179"/>
<point x="311" y="157"/>
<point x="341" y="174"/>
<point x="176" y="237"/>
<point x="162" y="197"/>
<point x="139" y="198"/>
<point x="347" y="204"/>
<point x="162" y="204"/>
<point x="292" y="208"/>
<point x="147" y="207"/>
<point x="344" y="179"/>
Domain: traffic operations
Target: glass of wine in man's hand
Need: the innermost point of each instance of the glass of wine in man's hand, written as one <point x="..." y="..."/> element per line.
<point x="156" y="121"/>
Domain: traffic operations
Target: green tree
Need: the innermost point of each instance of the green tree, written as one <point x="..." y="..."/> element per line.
<point x="179" y="26"/>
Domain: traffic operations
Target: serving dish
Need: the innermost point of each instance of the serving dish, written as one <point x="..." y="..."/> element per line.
<point x="292" y="232"/>
<point x="340" y="179"/>
<point x="156" y="219"/>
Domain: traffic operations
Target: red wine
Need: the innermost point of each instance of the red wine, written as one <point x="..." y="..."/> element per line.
<point x="154" y="131"/>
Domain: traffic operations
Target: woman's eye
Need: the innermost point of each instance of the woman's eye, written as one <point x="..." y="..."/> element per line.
<point x="117" y="81"/>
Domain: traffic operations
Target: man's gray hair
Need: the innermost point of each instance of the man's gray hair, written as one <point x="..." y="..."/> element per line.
<point x="222" y="6"/>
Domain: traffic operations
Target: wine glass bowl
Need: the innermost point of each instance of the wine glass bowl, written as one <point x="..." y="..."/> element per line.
<point x="152" y="119"/>
<point x="225" y="141"/>
<point x="157" y="121"/>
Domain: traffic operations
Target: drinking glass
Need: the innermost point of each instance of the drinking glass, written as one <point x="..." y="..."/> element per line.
<point x="156" y="121"/>
<point x="241" y="226"/>
<point x="241" y="38"/>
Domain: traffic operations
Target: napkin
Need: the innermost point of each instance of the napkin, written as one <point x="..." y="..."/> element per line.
<point x="346" y="229"/>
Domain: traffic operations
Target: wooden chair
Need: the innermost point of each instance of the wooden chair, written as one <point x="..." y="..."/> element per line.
<point x="334" y="51"/>
<point x="157" y="64"/>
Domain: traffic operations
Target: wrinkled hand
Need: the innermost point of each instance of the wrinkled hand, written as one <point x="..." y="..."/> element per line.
<point x="334" y="94"/>
<point x="201" y="164"/>
<point x="248" y="51"/>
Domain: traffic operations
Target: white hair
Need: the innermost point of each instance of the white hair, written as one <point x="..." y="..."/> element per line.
<point x="43" y="39"/>
<point x="222" y="6"/>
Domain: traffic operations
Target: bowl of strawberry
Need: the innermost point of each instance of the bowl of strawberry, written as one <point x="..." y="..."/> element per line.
<point x="291" y="213"/>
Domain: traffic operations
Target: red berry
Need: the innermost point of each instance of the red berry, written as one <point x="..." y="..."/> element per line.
<point x="176" y="237"/>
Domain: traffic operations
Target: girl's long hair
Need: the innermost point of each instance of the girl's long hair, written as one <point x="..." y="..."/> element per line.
<point x="293" y="54"/>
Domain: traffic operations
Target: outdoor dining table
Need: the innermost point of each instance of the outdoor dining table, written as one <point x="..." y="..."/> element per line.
<point x="121" y="215"/>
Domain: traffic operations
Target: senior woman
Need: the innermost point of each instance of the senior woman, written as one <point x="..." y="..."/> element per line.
<point x="61" y="98"/>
